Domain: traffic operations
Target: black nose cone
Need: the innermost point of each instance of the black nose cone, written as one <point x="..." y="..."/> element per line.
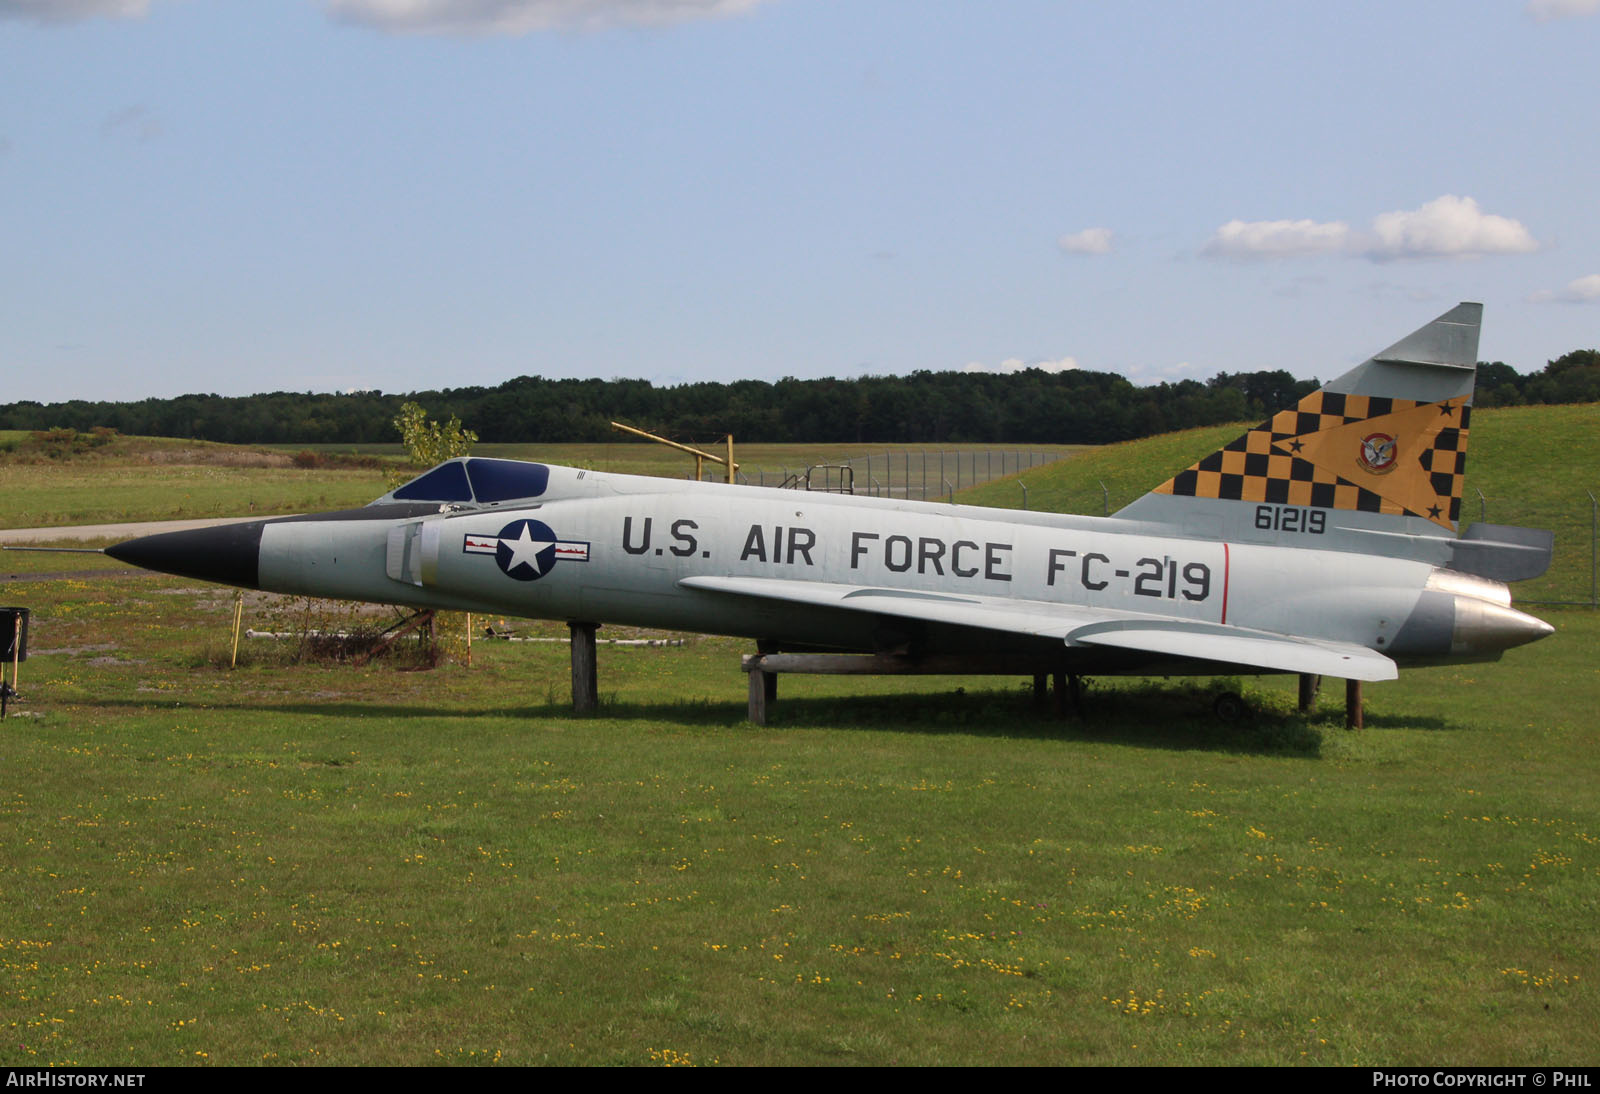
<point x="228" y="554"/>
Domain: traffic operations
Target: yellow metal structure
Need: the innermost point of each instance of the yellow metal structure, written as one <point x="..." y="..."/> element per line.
<point x="700" y="455"/>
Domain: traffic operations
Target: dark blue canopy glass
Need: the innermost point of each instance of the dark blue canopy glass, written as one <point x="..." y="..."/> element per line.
<point x="492" y="481"/>
<point x="504" y="480"/>
<point x="447" y="482"/>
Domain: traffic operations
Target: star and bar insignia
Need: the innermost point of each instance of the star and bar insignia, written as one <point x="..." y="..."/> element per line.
<point x="525" y="549"/>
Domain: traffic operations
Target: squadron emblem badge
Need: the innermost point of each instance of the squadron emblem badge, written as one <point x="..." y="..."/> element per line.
<point x="1378" y="453"/>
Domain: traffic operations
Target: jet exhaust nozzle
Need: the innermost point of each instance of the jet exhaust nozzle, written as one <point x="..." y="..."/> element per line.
<point x="1486" y="627"/>
<point x="1463" y="615"/>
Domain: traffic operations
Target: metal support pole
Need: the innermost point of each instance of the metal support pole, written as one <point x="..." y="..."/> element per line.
<point x="1105" y="499"/>
<point x="1352" y="704"/>
<point x="238" y="616"/>
<point x="1024" y="494"/>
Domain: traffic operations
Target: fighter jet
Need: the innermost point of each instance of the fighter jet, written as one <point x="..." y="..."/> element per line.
<point x="1322" y="541"/>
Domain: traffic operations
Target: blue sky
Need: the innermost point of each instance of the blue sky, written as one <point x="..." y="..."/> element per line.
<point x="206" y="195"/>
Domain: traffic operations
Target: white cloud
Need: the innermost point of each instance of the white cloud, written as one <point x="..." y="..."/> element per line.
<point x="1277" y="238"/>
<point x="1155" y="374"/>
<point x="524" y="16"/>
<point x="1545" y="10"/>
<point x="1017" y="364"/>
<point x="1090" y="241"/>
<point x="69" y="11"/>
<point x="1448" y="227"/>
<point x="1582" y="290"/>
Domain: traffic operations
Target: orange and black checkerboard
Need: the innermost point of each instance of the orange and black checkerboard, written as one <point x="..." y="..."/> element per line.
<point x="1263" y="465"/>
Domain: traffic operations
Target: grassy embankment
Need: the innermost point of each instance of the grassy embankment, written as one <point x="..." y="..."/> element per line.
<point x="288" y="864"/>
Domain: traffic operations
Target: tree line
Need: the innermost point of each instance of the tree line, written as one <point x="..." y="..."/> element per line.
<point x="1027" y="407"/>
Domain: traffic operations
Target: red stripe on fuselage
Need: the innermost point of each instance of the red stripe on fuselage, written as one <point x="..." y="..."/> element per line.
<point x="1226" y="567"/>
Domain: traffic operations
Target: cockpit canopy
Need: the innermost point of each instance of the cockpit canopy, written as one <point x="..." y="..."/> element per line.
<point x="484" y="481"/>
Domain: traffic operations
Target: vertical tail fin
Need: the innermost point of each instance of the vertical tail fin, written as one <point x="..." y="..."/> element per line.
<point x="1383" y="448"/>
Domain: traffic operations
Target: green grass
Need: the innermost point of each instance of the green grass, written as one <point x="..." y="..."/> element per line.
<point x="163" y="479"/>
<point x="1535" y="466"/>
<point x="368" y="866"/>
<point x="48" y="496"/>
<point x="155" y="478"/>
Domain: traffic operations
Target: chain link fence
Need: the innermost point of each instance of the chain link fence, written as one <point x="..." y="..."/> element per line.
<point x="916" y="474"/>
<point x="1574" y="576"/>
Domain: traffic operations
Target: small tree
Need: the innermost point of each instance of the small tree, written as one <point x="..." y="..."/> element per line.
<point x="427" y="442"/>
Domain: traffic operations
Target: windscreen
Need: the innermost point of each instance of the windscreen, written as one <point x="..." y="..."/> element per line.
<point x="504" y="480"/>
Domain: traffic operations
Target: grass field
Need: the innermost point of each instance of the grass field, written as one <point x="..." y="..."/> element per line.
<point x="310" y="863"/>
<point x="325" y="864"/>
<point x="156" y="479"/>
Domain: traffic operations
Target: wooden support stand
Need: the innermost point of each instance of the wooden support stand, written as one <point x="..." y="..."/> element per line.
<point x="763" y="668"/>
<point x="761" y="695"/>
<point x="585" y="672"/>
<point x="1309" y="686"/>
<point x="1352" y="704"/>
<point x="422" y="619"/>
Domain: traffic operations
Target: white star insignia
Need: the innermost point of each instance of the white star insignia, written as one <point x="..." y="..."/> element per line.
<point x="525" y="549"/>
